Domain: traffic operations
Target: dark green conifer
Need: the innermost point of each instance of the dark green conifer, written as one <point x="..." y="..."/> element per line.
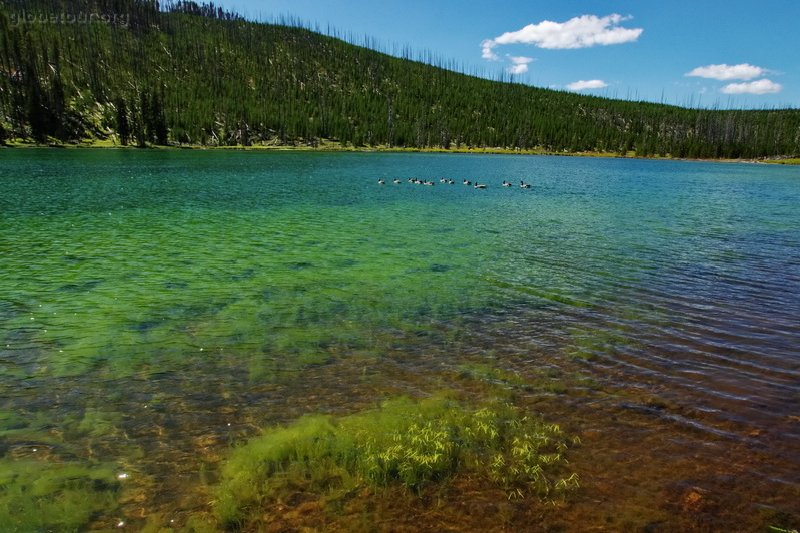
<point x="123" y="127"/>
<point x="189" y="72"/>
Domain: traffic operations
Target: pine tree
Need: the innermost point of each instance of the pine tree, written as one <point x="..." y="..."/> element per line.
<point x="192" y="73"/>
<point x="158" y="122"/>
<point x="123" y="127"/>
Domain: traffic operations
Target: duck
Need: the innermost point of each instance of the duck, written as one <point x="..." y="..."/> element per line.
<point x="467" y="182"/>
<point x="428" y="182"/>
<point x="480" y="185"/>
<point x="524" y="185"/>
<point x="506" y="183"/>
<point x="381" y="181"/>
<point x="442" y="180"/>
<point x="450" y="182"/>
<point x="396" y="181"/>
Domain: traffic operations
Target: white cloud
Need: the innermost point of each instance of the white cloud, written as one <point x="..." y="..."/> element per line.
<point x="520" y="60"/>
<point x="743" y="71"/>
<point x="580" y="85"/>
<point x="487" y="49"/>
<point x="764" y="86"/>
<point x="519" y="64"/>
<point x="579" y="32"/>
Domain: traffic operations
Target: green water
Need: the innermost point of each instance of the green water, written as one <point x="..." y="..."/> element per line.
<point x="271" y="259"/>
<point x="158" y="307"/>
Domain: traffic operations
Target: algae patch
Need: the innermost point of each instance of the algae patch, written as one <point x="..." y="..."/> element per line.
<point x="413" y="444"/>
<point x="51" y="496"/>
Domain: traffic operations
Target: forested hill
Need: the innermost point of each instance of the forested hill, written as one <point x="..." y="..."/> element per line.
<point x="142" y="73"/>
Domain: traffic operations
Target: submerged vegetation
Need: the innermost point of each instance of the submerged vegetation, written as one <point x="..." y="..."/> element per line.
<point x="49" y="495"/>
<point x="136" y="72"/>
<point x="409" y="443"/>
<point x="160" y="307"/>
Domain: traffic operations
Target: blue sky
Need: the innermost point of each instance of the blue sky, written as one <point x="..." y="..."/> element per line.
<point x="724" y="53"/>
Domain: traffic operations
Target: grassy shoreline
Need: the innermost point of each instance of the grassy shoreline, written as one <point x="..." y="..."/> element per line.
<point x="329" y="146"/>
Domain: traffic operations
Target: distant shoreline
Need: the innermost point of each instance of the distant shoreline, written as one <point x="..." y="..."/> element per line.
<point x="336" y="147"/>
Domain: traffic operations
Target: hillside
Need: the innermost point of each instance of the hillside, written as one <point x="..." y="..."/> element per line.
<point x="141" y="73"/>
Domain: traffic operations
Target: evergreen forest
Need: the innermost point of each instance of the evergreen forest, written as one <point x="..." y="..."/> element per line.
<point x="143" y="73"/>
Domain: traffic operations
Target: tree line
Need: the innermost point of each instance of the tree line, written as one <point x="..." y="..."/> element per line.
<point x="143" y="72"/>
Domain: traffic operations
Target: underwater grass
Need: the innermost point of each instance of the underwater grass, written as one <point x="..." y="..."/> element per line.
<point x="489" y="373"/>
<point x="49" y="496"/>
<point x="409" y="443"/>
<point x="46" y="481"/>
<point x="503" y="381"/>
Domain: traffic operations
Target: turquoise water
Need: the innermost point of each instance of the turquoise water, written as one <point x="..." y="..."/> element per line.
<point x="157" y="307"/>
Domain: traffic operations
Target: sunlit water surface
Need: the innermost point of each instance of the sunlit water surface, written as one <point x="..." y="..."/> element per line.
<point x="158" y="307"/>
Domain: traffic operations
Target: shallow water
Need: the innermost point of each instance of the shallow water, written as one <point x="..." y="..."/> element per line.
<point x="158" y="307"/>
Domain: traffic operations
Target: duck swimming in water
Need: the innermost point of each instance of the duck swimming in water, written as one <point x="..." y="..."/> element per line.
<point x="467" y="182"/>
<point x="480" y="185"/>
<point x="524" y="185"/>
<point x="381" y="181"/>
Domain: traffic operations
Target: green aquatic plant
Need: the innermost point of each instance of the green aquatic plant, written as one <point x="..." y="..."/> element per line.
<point x="294" y="315"/>
<point x="16" y="426"/>
<point x="504" y="380"/>
<point x="588" y="344"/>
<point x="40" y="495"/>
<point x="492" y="374"/>
<point x="405" y="442"/>
<point x="98" y="422"/>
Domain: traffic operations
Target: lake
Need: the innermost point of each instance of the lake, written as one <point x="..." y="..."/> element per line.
<point x="160" y="308"/>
